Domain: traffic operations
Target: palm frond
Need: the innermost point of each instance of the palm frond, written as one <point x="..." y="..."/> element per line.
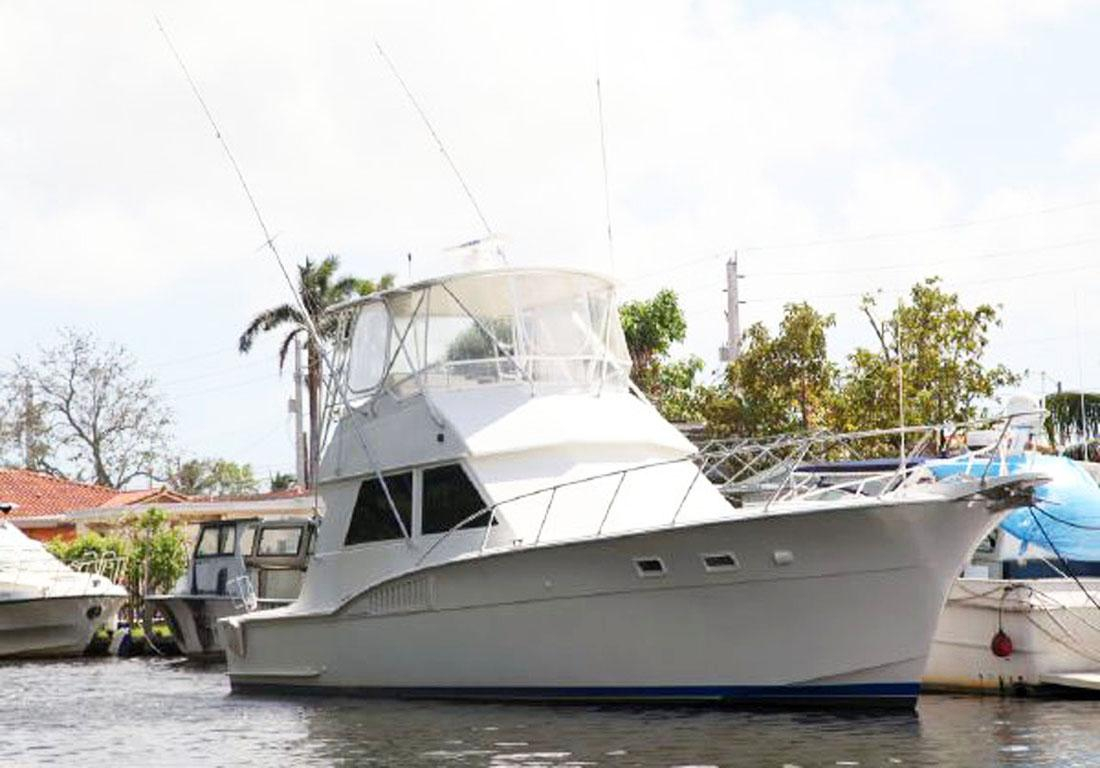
<point x="265" y="321"/>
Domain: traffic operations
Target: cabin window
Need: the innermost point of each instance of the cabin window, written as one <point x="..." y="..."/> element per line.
<point x="279" y="541"/>
<point x="372" y="519"/>
<point x="248" y="536"/>
<point x="217" y="540"/>
<point x="449" y="498"/>
<point x="369" y="351"/>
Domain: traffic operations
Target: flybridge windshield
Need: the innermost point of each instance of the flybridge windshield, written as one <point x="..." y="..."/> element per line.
<point x="540" y="327"/>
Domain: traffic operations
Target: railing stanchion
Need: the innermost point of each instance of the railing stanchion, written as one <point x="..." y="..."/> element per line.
<point x="488" y="527"/>
<point x="687" y="493"/>
<point x="546" y="514"/>
<point x="615" y="495"/>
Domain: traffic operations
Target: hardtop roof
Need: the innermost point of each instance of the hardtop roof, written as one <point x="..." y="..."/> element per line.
<point x="441" y="279"/>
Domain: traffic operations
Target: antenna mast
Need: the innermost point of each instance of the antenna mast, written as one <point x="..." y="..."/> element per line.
<point x="439" y="144"/>
<point x="307" y="319"/>
<point x="606" y="185"/>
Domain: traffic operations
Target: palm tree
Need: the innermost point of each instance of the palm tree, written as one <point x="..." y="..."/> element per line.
<point x="318" y="289"/>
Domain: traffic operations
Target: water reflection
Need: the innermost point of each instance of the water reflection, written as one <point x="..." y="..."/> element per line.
<point x="179" y="714"/>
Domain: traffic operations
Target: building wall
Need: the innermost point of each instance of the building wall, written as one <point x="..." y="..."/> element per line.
<point x="46" y="534"/>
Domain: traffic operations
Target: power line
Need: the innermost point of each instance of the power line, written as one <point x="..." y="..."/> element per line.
<point x="895" y="291"/>
<point x="872" y="236"/>
<point x="965" y="223"/>
<point x="925" y="264"/>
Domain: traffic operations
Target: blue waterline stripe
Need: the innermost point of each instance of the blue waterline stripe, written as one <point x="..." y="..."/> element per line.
<point x="776" y="693"/>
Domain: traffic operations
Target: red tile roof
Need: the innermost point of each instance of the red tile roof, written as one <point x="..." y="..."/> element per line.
<point x="37" y="494"/>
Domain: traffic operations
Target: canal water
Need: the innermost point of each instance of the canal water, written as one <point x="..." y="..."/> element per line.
<point x="173" y="713"/>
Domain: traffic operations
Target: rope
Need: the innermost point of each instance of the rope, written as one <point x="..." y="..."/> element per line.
<point x="1065" y="565"/>
<point x="1070" y="523"/>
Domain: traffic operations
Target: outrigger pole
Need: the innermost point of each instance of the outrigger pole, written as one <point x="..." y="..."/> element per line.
<point x="307" y="319"/>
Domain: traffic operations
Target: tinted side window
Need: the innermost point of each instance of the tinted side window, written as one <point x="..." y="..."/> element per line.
<point x="449" y="498"/>
<point x="372" y="519"/>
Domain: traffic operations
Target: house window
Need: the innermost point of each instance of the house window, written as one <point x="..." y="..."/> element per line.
<point x="372" y="519"/>
<point x="449" y="498"/>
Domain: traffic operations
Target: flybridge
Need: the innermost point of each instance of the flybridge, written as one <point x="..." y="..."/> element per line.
<point x="540" y="326"/>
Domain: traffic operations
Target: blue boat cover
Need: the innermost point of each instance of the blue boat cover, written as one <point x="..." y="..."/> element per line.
<point x="1071" y="495"/>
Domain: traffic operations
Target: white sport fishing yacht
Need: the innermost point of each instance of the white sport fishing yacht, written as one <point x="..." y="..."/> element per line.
<point x="47" y="608"/>
<point x="237" y="566"/>
<point x="507" y="519"/>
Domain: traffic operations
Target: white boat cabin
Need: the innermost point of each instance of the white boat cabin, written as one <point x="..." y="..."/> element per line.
<point x="499" y="396"/>
<point x="270" y="553"/>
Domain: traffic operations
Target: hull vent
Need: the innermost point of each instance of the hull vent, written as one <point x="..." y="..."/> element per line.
<point x="400" y="597"/>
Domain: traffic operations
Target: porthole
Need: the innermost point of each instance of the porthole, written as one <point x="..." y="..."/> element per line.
<point x="649" y="567"/>
<point x="720" y="561"/>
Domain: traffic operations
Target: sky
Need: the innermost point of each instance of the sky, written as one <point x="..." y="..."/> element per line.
<point x="838" y="148"/>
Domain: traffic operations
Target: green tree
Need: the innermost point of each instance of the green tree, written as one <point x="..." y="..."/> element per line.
<point x="88" y="546"/>
<point x="679" y="397"/>
<point x="157" y="557"/>
<point x="283" y="481"/>
<point x="938" y="346"/>
<point x="213" y="477"/>
<point x="779" y="383"/>
<point x="1064" y="422"/>
<point x="651" y="327"/>
<point x="319" y="288"/>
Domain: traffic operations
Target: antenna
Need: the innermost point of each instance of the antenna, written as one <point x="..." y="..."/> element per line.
<point x="307" y="319"/>
<point x="439" y="143"/>
<point x="606" y="186"/>
<point x="901" y="383"/>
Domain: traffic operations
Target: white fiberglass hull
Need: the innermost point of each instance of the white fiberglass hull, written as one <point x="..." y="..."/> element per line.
<point x="828" y="605"/>
<point x="55" y="626"/>
<point x="1054" y="629"/>
<point x="193" y="621"/>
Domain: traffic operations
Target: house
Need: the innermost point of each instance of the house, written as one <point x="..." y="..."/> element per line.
<point x="44" y="506"/>
<point x="41" y="501"/>
<point x="192" y="510"/>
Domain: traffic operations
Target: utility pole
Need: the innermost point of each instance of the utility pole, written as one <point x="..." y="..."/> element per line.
<point x="296" y="408"/>
<point x="731" y="350"/>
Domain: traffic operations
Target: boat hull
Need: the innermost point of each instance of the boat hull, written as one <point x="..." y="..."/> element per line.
<point x="1054" y="629"/>
<point x="193" y="621"/>
<point x="55" y="626"/>
<point x="810" y="614"/>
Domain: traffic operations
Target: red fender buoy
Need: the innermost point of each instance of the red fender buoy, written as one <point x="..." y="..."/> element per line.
<point x="1001" y="645"/>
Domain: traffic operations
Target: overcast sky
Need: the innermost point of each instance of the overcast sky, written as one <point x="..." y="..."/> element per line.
<point x="839" y="147"/>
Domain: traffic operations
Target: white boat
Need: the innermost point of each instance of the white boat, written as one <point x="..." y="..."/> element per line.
<point x="542" y="533"/>
<point x="1025" y="615"/>
<point x="236" y="566"/>
<point x="47" y="608"/>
